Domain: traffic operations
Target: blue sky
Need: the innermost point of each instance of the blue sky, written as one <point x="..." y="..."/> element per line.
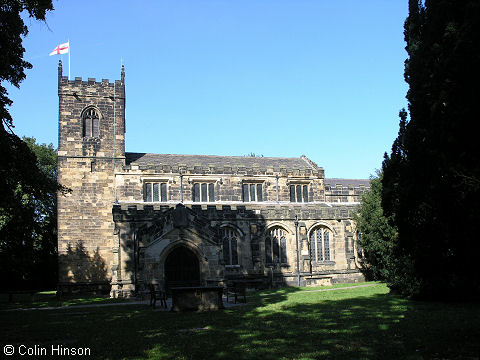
<point x="273" y="77"/>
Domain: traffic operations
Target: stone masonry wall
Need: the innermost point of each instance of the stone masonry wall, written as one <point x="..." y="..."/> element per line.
<point x="345" y="193"/>
<point x="252" y="222"/>
<point x="85" y="228"/>
<point x="228" y="188"/>
<point x="86" y="240"/>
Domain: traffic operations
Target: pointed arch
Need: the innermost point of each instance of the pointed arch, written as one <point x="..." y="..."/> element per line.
<point x="230" y="237"/>
<point x="279" y="224"/>
<point x="235" y="227"/>
<point x="187" y="245"/>
<point x="321" y="243"/>
<point x="91" y="117"/>
<point x="321" y="223"/>
<point x="276" y="245"/>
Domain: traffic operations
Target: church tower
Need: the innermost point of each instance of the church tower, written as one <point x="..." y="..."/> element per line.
<point x="91" y="148"/>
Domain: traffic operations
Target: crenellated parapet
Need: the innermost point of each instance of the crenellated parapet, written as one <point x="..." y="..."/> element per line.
<point x="80" y="86"/>
<point x="345" y="190"/>
<point x="91" y="117"/>
<point x="142" y="212"/>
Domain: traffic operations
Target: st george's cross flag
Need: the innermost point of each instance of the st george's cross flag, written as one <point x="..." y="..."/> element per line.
<point x="61" y="49"/>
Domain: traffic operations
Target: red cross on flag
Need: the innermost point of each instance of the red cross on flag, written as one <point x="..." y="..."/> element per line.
<point x="61" y="49"/>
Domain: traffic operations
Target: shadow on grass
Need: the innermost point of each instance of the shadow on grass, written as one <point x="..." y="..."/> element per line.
<point x="287" y="323"/>
<point x="50" y="299"/>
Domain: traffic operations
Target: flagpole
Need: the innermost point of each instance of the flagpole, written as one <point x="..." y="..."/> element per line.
<point x="69" y="59"/>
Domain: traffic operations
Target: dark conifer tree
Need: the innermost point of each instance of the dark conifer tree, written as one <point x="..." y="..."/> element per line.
<point x="431" y="184"/>
<point x="377" y="236"/>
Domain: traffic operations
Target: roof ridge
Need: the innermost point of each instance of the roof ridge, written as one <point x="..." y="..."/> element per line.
<point x="218" y="156"/>
<point x="346" y="179"/>
<point x="309" y="162"/>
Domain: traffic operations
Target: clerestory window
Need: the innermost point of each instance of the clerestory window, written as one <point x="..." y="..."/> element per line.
<point x="203" y="192"/>
<point x="155" y="191"/>
<point x="320" y="244"/>
<point x="298" y="193"/>
<point x="91" y="123"/>
<point x="252" y="192"/>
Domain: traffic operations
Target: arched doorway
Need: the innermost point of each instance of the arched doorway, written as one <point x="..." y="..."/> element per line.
<point x="182" y="268"/>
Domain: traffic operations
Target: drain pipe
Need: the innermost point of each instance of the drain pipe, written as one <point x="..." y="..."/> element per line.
<point x="298" y="259"/>
<point x="181" y="188"/>
<point x="134" y="238"/>
<point x="276" y="187"/>
<point x="115" y="199"/>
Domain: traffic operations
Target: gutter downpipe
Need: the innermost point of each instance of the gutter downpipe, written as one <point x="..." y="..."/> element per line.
<point x="181" y="188"/>
<point x="298" y="258"/>
<point x="276" y="186"/>
<point x="135" y="261"/>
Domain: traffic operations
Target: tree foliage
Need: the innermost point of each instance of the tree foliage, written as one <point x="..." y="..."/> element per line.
<point x="17" y="163"/>
<point x="376" y="234"/>
<point x="431" y="183"/>
<point x="28" y="235"/>
<point x="26" y="188"/>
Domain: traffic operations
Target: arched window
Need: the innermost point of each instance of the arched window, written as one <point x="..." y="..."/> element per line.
<point x="276" y="246"/>
<point x="320" y="244"/>
<point x="230" y="252"/>
<point x="91" y="122"/>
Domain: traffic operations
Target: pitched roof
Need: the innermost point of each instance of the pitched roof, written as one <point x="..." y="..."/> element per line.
<point x="218" y="164"/>
<point x="346" y="182"/>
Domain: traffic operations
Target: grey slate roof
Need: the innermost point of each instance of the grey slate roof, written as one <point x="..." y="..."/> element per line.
<point x="346" y="182"/>
<point x="262" y="164"/>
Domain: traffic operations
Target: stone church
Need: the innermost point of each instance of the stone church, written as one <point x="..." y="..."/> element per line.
<point x="134" y="218"/>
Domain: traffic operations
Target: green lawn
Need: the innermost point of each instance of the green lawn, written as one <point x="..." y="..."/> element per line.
<point x="49" y="299"/>
<point x="289" y="323"/>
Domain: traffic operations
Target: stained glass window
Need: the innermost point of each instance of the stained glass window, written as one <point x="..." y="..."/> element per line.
<point x="320" y="244"/>
<point x="230" y="251"/>
<point x="276" y="246"/>
<point x="268" y="250"/>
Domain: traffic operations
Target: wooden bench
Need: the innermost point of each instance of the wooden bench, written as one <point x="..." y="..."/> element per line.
<point x="236" y="290"/>
<point x="20" y="292"/>
<point x="156" y="293"/>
